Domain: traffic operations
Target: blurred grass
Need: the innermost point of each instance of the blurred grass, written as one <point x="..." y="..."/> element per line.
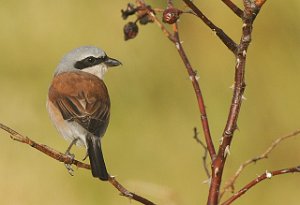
<point x="149" y="144"/>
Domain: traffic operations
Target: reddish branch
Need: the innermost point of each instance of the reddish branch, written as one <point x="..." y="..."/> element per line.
<point x="193" y="76"/>
<point x="239" y="87"/>
<point x="198" y="92"/>
<point x="251" y="9"/>
<point x="266" y="175"/>
<point x="231" y="125"/>
<point x="69" y="160"/>
<point x="230" y="183"/>
<point x="248" y="15"/>
<point x="231" y="45"/>
<point x="234" y="8"/>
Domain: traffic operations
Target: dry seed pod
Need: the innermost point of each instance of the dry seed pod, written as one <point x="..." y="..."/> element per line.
<point x="130" y="30"/>
<point x="171" y="15"/>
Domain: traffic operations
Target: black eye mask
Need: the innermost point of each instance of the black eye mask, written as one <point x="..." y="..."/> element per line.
<point x="89" y="62"/>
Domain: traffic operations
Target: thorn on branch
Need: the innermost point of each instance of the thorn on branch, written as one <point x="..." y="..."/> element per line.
<point x="227" y="151"/>
<point x="268" y="174"/>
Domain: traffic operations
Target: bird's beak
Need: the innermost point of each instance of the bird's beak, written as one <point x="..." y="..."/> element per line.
<point x="111" y="62"/>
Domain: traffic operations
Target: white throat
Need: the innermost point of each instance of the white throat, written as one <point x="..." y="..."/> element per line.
<point x="97" y="70"/>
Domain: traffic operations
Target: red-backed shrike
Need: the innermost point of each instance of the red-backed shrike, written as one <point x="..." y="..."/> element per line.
<point x="78" y="102"/>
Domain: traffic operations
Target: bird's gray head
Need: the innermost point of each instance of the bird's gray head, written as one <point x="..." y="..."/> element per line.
<point x="88" y="59"/>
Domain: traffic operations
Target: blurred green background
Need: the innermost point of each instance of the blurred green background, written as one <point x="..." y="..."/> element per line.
<point x="149" y="144"/>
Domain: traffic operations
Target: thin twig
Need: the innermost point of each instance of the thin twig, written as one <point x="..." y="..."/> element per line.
<point x="230" y="183"/>
<point x="266" y="175"/>
<point x="44" y="148"/>
<point x="204" y="158"/>
<point x="194" y="78"/>
<point x="69" y="160"/>
<point x="234" y="8"/>
<point x="128" y="194"/>
<point x="142" y="6"/>
<point x="231" y="45"/>
<point x="161" y="26"/>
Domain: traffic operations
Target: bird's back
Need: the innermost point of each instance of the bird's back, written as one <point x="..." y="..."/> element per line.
<point x="82" y="98"/>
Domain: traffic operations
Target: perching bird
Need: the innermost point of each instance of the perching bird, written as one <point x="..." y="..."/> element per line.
<point x="78" y="102"/>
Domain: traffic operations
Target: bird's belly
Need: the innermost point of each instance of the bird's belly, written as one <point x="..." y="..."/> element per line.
<point x="70" y="130"/>
<point x="73" y="131"/>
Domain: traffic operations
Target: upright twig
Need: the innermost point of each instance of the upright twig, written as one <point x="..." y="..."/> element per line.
<point x="266" y="175"/>
<point x="69" y="160"/>
<point x="198" y="92"/>
<point x="193" y="76"/>
<point x="250" y="12"/>
<point x="264" y="155"/>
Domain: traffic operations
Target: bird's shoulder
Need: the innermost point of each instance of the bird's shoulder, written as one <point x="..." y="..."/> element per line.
<point x="78" y="84"/>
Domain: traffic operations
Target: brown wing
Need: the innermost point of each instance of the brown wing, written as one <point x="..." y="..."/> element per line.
<point x="83" y="98"/>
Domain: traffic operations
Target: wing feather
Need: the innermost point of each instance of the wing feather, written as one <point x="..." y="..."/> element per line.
<point x="83" y="98"/>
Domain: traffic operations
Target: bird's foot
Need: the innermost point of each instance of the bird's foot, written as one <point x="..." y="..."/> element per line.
<point x="69" y="166"/>
<point x="72" y="156"/>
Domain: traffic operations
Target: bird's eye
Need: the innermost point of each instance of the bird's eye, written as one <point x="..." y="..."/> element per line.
<point x="91" y="59"/>
<point x="87" y="62"/>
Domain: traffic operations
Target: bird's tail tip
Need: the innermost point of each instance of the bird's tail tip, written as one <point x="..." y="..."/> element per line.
<point x="96" y="158"/>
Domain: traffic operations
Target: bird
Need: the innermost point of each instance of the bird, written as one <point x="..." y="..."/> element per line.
<point x="78" y="103"/>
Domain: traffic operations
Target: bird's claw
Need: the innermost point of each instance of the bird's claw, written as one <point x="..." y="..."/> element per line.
<point x="69" y="166"/>
<point x="70" y="169"/>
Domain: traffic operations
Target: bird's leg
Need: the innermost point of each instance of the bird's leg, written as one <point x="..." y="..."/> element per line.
<point x="70" y="146"/>
<point x="68" y="153"/>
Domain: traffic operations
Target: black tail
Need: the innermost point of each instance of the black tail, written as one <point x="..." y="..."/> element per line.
<point x="96" y="157"/>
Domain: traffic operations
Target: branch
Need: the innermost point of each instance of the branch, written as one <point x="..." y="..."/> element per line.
<point x="161" y="26"/>
<point x="171" y="15"/>
<point x="193" y="76"/>
<point x="204" y="158"/>
<point x="264" y="155"/>
<point x="231" y="45"/>
<point x="249" y="16"/>
<point x="69" y="160"/>
<point x="267" y="175"/>
<point x="234" y="8"/>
